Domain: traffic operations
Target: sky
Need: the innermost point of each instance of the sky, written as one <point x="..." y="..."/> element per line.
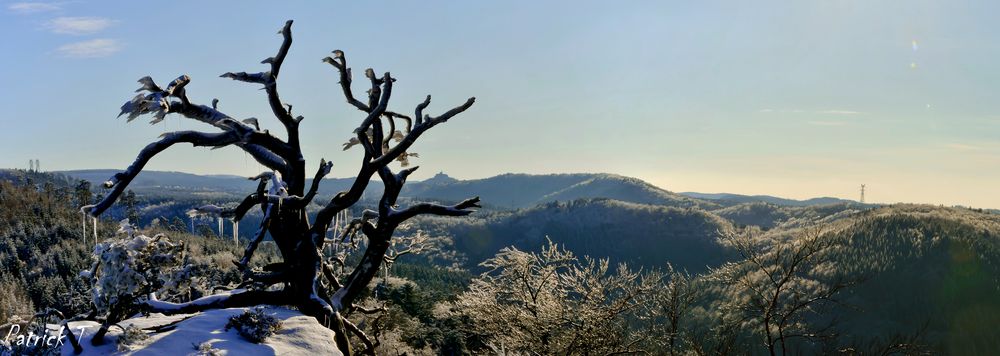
<point x="790" y="98"/>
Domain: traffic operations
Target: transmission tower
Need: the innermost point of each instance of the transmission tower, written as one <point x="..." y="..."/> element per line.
<point x="862" y="194"/>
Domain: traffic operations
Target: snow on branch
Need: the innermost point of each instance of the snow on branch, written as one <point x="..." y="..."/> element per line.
<point x="237" y="298"/>
<point x="266" y="149"/>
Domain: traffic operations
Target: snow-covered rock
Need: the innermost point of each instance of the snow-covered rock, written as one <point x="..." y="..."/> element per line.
<point x="299" y="335"/>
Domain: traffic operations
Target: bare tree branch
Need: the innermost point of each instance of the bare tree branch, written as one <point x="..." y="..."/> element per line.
<point x="460" y="209"/>
<point x="296" y="202"/>
<point x="418" y="129"/>
<point x="248" y="203"/>
<point x="119" y="181"/>
<point x="265" y="149"/>
<point x="339" y="61"/>
<point x="269" y="79"/>
<point x="258" y="237"/>
<point x="234" y="299"/>
<point x="369" y="345"/>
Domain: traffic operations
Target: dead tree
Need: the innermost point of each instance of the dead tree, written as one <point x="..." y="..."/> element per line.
<point x="304" y="275"/>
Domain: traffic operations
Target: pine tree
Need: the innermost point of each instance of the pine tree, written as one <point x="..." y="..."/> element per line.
<point x="131" y="207"/>
<point x="82" y="193"/>
<point x="178" y="224"/>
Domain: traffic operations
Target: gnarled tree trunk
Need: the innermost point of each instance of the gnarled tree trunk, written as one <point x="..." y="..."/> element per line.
<point x="282" y="194"/>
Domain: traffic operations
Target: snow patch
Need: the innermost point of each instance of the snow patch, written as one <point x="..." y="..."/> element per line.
<point x="299" y="335"/>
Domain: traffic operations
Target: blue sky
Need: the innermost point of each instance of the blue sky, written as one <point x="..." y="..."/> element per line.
<point x="790" y="98"/>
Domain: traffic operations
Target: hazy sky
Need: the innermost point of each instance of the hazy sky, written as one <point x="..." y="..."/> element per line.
<point x="789" y="98"/>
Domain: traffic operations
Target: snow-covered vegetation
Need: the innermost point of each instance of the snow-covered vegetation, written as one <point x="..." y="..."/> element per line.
<point x="552" y="302"/>
<point x="131" y="338"/>
<point x="128" y="270"/>
<point x="255" y="324"/>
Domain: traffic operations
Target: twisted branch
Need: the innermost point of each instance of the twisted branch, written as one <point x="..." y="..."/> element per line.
<point x="121" y="180"/>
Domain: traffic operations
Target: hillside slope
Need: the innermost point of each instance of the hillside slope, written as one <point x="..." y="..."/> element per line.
<point x="524" y="190"/>
<point x="767" y="215"/>
<point x="43" y="249"/>
<point x="641" y="234"/>
<point x="927" y="265"/>
<point x="919" y="270"/>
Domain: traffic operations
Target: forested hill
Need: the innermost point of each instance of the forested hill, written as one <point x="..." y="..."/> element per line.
<point x="767" y="215"/>
<point x="23" y="177"/>
<point x="924" y="270"/>
<point x="525" y="190"/>
<point x="44" y="247"/>
<point x="932" y="266"/>
<point x="641" y="234"/>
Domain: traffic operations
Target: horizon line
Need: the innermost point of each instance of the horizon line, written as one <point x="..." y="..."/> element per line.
<point x="678" y="192"/>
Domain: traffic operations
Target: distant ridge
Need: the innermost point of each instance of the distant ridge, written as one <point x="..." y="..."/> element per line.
<point x="509" y="191"/>
<point x="149" y="180"/>
<point x="527" y="190"/>
<point x="730" y="199"/>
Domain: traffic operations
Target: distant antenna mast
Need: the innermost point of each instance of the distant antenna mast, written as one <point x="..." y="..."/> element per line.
<point x="862" y="194"/>
<point x="31" y="165"/>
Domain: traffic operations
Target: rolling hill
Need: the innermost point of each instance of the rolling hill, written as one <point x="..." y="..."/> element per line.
<point x="642" y="234"/>
<point x="525" y="190"/>
<point x="729" y="199"/>
<point x="768" y="215"/>
<point x="927" y="267"/>
<point x="510" y="191"/>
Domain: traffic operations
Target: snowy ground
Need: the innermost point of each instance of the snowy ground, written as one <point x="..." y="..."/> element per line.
<point x="299" y="335"/>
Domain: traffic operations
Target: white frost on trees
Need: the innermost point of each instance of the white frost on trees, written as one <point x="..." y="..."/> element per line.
<point x="127" y="270"/>
<point x="124" y="227"/>
<point x="552" y="302"/>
